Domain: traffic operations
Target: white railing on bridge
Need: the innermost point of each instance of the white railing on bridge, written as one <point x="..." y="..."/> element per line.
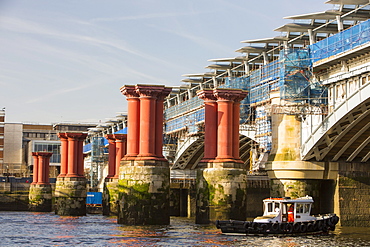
<point x="352" y="101"/>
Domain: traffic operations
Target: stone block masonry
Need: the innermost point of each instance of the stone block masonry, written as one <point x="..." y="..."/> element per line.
<point x="70" y="188"/>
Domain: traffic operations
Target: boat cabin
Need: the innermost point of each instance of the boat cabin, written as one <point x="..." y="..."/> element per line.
<point x="285" y="209"/>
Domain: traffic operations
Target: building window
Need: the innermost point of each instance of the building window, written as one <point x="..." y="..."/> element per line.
<point x="48" y="147"/>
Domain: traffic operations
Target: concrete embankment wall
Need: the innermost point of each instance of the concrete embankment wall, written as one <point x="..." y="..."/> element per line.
<point x="14" y="196"/>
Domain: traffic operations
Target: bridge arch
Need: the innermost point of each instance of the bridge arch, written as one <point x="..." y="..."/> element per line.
<point x="192" y="151"/>
<point x="346" y="129"/>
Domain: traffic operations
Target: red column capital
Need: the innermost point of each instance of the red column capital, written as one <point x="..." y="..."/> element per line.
<point x="75" y="153"/>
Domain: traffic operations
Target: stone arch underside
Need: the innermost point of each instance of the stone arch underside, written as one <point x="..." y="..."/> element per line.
<point x="190" y="158"/>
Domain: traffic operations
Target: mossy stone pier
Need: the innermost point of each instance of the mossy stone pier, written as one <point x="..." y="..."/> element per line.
<point x="40" y="194"/>
<point x="144" y="177"/>
<point x="70" y="196"/>
<point x="70" y="188"/>
<point x="221" y="194"/>
<point x="144" y="191"/>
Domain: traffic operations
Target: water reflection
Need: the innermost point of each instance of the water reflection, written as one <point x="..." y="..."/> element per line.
<point x="48" y="229"/>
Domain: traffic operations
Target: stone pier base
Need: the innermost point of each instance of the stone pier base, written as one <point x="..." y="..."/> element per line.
<point x="221" y="194"/>
<point x="144" y="189"/>
<point x="110" y="197"/>
<point x="70" y="196"/>
<point x="352" y="195"/>
<point x="40" y="198"/>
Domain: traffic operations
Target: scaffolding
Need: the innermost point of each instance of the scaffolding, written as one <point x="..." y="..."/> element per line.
<point x="342" y="42"/>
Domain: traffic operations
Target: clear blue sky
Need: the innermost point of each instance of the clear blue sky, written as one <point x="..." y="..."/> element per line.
<point x="65" y="60"/>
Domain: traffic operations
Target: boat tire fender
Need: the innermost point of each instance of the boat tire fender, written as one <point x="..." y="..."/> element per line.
<point x="296" y="227"/>
<point x="334" y="220"/>
<point x="289" y="227"/>
<point x="315" y="226"/>
<point x="246" y="224"/>
<point x="310" y="227"/>
<point x="263" y="228"/>
<point x="320" y="225"/>
<point x="275" y="227"/>
<point x="217" y="224"/>
<point x="282" y="227"/>
<point x="303" y="228"/>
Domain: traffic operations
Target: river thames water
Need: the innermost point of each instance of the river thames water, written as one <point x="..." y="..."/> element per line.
<point x="47" y="229"/>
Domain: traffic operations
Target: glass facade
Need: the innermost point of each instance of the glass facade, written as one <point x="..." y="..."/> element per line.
<point x="48" y="146"/>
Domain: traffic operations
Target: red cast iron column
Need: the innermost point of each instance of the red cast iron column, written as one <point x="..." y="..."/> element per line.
<point x="44" y="162"/>
<point x="75" y="154"/>
<point x="148" y="95"/>
<point x="225" y="117"/>
<point x="80" y="155"/>
<point x="35" y="176"/>
<point x="159" y="122"/>
<point x="210" y="124"/>
<point x="133" y="120"/>
<point x="111" y="155"/>
<point x="63" y="154"/>
<point x="120" y="151"/>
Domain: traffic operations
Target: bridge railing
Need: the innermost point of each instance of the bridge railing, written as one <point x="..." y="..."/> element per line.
<point x="352" y="101"/>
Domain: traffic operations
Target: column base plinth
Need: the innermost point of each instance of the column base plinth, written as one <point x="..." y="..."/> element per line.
<point x="221" y="194"/>
<point x="70" y="196"/>
<point x="144" y="187"/>
<point x="40" y="198"/>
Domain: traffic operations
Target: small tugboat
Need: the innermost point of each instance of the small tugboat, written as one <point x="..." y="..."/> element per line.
<point x="283" y="216"/>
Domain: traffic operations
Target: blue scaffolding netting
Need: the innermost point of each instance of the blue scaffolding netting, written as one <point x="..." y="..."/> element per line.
<point x="291" y="74"/>
<point x="346" y="40"/>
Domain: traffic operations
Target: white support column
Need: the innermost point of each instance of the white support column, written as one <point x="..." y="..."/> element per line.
<point x="339" y="23"/>
<point x="311" y="36"/>
<point x="214" y="79"/>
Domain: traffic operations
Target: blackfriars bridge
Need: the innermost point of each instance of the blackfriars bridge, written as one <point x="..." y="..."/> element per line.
<point x="292" y="111"/>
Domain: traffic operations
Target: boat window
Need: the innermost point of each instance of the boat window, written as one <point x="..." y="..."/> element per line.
<point x="269" y="207"/>
<point x="303" y="208"/>
<point x="307" y="208"/>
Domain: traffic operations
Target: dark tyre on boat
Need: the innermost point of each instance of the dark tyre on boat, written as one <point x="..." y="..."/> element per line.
<point x="325" y="228"/>
<point x="246" y="225"/>
<point x="315" y="226"/>
<point x="310" y="227"/>
<point x="296" y="227"/>
<point x="217" y="223"/>
<point x="282" y="227"/>
<point x="263" y="228"/>
<point x="303" y="227"/>
<point x="334" y="220"/>
<point x="275" y="227"/>
<point x="289" y="228"/>
<point x="320" y="225"/>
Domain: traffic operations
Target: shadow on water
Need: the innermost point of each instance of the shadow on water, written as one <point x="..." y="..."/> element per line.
<point x="48" y="229"/>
